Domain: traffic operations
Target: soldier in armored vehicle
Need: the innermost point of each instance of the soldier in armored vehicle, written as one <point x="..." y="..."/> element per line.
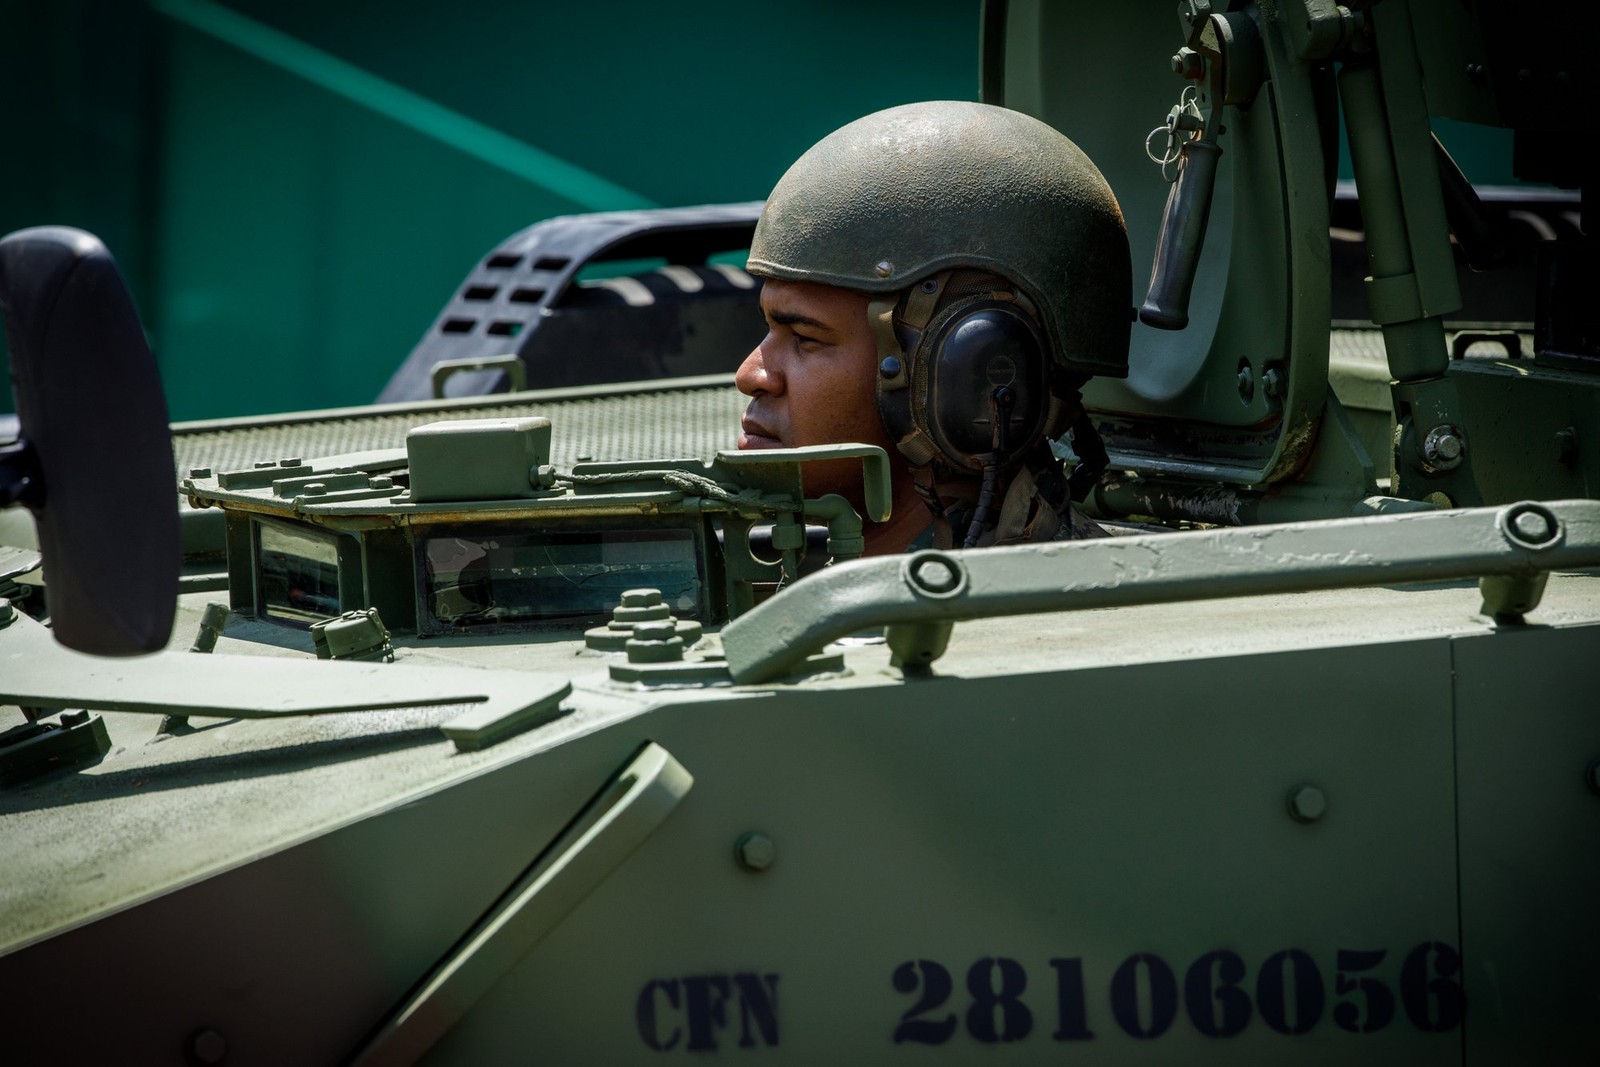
<point x="940" y="280"/>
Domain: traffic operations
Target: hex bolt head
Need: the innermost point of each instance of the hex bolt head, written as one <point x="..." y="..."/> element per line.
<point x="627" y="618"/>
<point x="1272" y="382"/>
<point x="7" y="612"/>
<point x="1532" y="526"/>
<point x="1443" y="448"/>
<point x="640" y="605"/>
<point x="208" y="1046"/>
<point x="755" y="851"/>
<point x="654" y="651"/>
<point x="656" y="630"/>
<point x="1246" y="380"/>
<point x="1186" y="63"/>
<point x="1307" y="803"/>
<point x="936" y="575"/>
<point x="655" y="641"/>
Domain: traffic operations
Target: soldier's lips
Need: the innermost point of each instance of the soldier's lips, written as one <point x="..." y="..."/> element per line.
<point x="754" y="435"/>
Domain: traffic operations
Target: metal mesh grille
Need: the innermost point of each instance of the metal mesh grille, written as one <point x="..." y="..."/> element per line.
<point x="672" y="423"/>
<point x="1364" y="345"/>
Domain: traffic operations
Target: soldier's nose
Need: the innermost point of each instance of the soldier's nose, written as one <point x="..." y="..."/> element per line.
<point x="755" y="375"/>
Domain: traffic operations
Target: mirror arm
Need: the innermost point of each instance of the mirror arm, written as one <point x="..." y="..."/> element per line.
<point x="20" y="481"/>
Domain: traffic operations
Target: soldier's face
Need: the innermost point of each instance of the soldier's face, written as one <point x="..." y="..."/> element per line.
<point x="812" y="379"/>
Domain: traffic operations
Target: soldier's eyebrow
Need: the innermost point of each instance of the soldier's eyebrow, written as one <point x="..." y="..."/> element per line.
<point x="790" y="318"/>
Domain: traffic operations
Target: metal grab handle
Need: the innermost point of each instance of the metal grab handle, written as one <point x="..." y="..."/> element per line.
<point x="512" y="365"/>
<point x="615" y="823"/>
<point x="1183" y="234"/>
<point x="1509" y="548"/>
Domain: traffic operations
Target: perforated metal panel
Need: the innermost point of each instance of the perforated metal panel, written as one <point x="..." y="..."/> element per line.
<point x="682" y="420"/>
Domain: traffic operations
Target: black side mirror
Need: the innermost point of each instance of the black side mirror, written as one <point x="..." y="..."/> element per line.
<point x="94" y="458"/>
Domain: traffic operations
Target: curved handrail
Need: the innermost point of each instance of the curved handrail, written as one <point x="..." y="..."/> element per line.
<point x="1519" y="542"/>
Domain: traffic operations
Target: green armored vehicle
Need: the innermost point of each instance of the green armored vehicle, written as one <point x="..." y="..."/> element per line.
<point x="545" y="726"/>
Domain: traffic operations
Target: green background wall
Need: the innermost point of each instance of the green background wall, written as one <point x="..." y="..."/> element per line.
<point x="294" y="188"/>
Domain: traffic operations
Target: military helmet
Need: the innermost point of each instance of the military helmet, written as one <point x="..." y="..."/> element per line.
<point x="899" y="195"/>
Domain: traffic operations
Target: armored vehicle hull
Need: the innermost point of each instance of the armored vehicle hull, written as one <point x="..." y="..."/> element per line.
<point x="1315" y="823"/>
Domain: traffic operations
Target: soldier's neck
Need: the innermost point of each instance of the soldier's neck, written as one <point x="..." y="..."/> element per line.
<point x="908" y="517"/>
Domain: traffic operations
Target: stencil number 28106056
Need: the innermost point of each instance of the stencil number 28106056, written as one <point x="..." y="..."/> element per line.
<point x="1145" y="994"/>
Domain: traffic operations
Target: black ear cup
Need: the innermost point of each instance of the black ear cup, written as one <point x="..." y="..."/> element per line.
<point x="984" y="398"/>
